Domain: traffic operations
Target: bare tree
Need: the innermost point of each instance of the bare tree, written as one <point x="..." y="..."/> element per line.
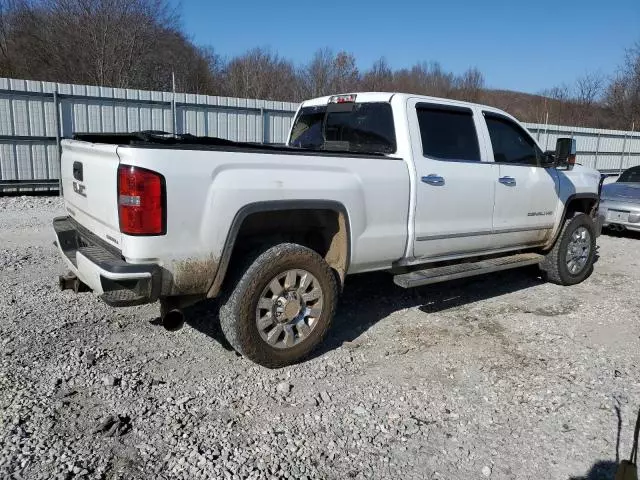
<point x="379" y="78"/>
<point x="470" y="85"/>
<point x="425" y="79"/>
<point x="561" y="93"/>
<point x="262" y="74"/>
<point x="589" y="88"/>
<point x="623" y="94"/>
<point x="346" y="75"/>
<point x="329" y="73"/>
<point x="6" y="10"/>
<point x="317" y="77"/>
<point x="438" y="82"/>
<point x="120" y="43"/>
<point x="102" y="42"/>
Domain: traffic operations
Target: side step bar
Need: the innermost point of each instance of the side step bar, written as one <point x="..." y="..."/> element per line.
<point x="469" y="269"/>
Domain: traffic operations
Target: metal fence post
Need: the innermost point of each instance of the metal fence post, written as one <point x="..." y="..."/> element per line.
<point x="624" y="146"/>
<point x="263" y="119"/>
<point x="174" y="113"/>
<point x="597" y="151"/>
<point x="56" y="108"/>
<point x="546" y="131"/>
<point x="633" y="129"/>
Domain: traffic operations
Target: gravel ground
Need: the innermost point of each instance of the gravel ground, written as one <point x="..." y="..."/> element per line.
<point x="501" y="377"/>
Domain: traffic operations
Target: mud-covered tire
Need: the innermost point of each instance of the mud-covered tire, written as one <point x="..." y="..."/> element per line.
<point x="555" y="267"/>
<point x="238" y="306"/>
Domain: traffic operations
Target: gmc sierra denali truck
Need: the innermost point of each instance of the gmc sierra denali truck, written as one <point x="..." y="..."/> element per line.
<point x="424" y="188"/>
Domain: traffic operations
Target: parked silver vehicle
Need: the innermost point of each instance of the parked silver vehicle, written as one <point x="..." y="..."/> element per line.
<point x="620" y="201"/>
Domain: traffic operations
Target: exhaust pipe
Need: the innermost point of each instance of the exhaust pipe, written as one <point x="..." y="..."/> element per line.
<point x="173" y="320"/>
<point x="172" y="317"/>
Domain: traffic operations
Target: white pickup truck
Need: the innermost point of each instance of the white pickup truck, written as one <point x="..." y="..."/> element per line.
<point x="425" y="188"/>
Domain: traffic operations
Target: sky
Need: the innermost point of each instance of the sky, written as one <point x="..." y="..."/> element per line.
<point x="518" y="45"/>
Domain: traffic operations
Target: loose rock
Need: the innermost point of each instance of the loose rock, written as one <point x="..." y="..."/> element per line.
<point x="110" y="381"/>
<point x="284" y="388"/>
<point x="501" y="370"/>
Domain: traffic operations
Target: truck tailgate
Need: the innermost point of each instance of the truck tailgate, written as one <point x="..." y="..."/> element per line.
<point x="89" y="180"/>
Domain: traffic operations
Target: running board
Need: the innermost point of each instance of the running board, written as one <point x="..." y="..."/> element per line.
<point x="462" y="270"/>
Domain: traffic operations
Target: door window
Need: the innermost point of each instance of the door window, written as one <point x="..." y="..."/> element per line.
<point x="511" y="144"/>
<point x="448" y="133"/>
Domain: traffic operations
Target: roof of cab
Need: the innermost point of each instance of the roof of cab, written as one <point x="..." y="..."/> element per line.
<point x="362" y="97"/>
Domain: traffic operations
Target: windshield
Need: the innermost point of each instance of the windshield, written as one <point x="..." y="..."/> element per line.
<point x="360" y="127"/>
<point x="630" y="176"/>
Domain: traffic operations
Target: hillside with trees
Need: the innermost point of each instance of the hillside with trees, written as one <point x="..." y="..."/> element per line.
<point x="139" y="43"/>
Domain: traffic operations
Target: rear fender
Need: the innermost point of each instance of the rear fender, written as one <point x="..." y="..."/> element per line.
<point x="339" y="261"/>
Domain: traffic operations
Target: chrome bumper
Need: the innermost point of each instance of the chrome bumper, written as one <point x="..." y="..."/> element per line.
<point x="618" y="213"/>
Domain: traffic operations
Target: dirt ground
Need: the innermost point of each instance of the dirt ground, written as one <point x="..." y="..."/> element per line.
<point x="502" y="377"/>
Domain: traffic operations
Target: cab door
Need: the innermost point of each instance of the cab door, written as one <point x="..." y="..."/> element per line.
<point x="526" y="193"/>
<point x="455" y="182"/>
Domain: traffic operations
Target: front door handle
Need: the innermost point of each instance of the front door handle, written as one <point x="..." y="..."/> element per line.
<point x="433" y="179"/>
<point x="508" y="181"/>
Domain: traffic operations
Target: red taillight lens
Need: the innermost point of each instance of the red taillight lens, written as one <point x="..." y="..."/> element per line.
<point x="141" y="201"/>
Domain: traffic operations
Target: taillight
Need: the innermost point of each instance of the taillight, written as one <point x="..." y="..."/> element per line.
<point x="141" y="201"/>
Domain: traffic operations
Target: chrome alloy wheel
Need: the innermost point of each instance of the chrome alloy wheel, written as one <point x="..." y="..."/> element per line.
<point x="578" y="250"/>
<point x="289" y="308"/>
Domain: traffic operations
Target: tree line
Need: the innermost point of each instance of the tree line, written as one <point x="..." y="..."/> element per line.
<point x="140" y="43"/>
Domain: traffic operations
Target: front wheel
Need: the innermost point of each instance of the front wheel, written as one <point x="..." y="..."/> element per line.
<point x="570" y="261"/>
<point x="281" y="306"/>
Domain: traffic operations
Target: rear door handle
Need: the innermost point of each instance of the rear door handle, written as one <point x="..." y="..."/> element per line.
<point x="433" y="179"/>
<point x="508" y="181"/>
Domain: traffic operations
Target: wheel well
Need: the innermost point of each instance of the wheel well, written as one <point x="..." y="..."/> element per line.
<point x="583" y="205"/>
<point x="323" y="230"/>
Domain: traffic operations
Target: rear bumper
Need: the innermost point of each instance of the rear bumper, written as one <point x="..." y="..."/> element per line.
<point x="102" y="268"/>
<point x="625" y="214"/>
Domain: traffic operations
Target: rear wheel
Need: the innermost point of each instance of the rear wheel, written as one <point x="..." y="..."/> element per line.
<point x="570" y="261"/>
<point x="281" y="306"/>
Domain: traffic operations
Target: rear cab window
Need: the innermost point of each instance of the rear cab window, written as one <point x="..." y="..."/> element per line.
<point x="345" y="127"/>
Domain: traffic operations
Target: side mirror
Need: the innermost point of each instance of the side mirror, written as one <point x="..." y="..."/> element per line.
<point x="566" y="152"/>
<point x="548" y="159"/>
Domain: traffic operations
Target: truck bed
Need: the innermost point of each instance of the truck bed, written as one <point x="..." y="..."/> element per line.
<point x="157" y="139"/>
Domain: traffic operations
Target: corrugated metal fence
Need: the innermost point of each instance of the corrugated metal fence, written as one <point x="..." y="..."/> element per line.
<point x="606" y="150"/>
<point x="35" y="115"/>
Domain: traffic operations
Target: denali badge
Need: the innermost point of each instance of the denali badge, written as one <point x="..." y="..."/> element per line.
<point x="79" y="189"/>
